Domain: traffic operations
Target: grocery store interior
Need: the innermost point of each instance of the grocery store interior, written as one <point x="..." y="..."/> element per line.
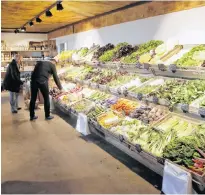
<point x="129" y="112"/>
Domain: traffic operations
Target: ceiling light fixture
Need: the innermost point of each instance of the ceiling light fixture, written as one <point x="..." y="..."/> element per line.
<point x="31" y="23"/>
<point x="59" y="6"/>
<point x="38" y="20"/>
<point x="23" y="29"/>
<point x="48" y="13"/>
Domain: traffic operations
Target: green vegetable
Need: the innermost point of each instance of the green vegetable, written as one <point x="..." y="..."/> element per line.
<point x="187" y="59"/>
<point x="143" y="48"/>
<point x="108" y="55"/>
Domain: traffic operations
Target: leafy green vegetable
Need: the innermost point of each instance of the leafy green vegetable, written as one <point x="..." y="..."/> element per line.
<point x="188" y="60"/>
<point x="143" y="48"/>
<point x="108" y="55"/>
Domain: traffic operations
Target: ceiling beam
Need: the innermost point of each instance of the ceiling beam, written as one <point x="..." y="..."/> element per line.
<point x="103" y="14"/>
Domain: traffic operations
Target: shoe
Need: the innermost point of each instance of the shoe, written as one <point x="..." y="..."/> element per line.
<point x="15" y="112"/>
<point x="49" y="117"/>
<point x="19" y="108"/>
<point x="33" y="118"/>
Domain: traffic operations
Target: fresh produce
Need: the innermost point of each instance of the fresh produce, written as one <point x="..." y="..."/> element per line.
<point x="103" y="49"/>
<point x="99" y="96"/>
<point x="110" y="54"/>
<point x="110" y="101"/>
<point x="124" y="105"/>
<point x="124" y="51"/>
<point x="126" y="126"/>
<point x="83" y="51"/>
<point x="190" y="59"/>
<point x="179" y="125"/>
<point x="83" y="106"/>
<point x="181" y="91"/>
<point x="143" y="49"/>
<point x="121" y="80"/>
<point x="64" y="55"/>
<point x="182" y="151"/>
<point x="96" y="111"/>
<point x="149" y="114"/>
<point x="55" y="92"/>
<point x="76" y="89"/>
<point x="109" y="119"/>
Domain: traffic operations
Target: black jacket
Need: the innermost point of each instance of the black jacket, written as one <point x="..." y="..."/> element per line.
<point x="12" y="80"/>
<point x="42" y="72"/>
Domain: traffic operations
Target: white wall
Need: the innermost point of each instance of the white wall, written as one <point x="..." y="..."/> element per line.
<point x="22" y="38"/>
<point x="188" y="27"/>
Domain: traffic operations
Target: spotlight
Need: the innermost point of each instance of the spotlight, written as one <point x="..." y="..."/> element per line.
<point x="38" y="20"/>
<point x="23" y="29"/>
<point x="59" y="6"/>
<point x="31" y="23"/>
<point x="48" y="13"/>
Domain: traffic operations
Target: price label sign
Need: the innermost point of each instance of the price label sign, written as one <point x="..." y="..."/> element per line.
<point x="125" y="92"/>
<point x="155" y="100"/>
<point x="138" y="65"/>
<point x="138" y="148"/>
<point x="162" y="67"/>
<point x="173" y="68"/>
<point x="202" y="112"/>
<point x="185" y="108"/>
<point x="139" y="96"/>
<point x="147" y="66"/>
<point x="121" y="138"/>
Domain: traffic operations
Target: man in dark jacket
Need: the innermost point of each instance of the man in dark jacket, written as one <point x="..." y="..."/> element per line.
<point x="12" y="82"/>
<point x="39" y="80"/>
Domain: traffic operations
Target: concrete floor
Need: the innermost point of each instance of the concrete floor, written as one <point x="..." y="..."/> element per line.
<point x="51" y="157"/>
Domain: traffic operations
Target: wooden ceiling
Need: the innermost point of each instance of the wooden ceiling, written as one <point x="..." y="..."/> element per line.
<point x="16" y="13"/>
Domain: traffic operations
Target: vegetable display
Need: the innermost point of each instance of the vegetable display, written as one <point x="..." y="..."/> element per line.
<point x="110" y="54"/>
<point x="103" y="49"/>
<point x="183" y="151"/>
<point x="181" y="91"/>
<point x="96" y="111"/>
<point x="190" y="58"/>
<point x="124" y="105"/>
<point x="149" y="114"/>
<point x="143" y="48"/>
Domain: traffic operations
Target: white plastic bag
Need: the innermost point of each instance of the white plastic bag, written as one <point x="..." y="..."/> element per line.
<point x="82" y="124"/>
<point x="176" y="180"/>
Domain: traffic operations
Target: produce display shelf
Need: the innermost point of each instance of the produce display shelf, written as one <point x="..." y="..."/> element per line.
<point x="134" y="97"/>
<point x="152" y="162"/>
<point x="160" y="70"/>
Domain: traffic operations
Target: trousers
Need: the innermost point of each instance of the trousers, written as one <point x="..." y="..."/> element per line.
<point x="43" y="87"/>
<point x="14" y="101"/>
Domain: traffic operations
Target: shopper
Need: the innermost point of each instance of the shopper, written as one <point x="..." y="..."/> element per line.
<point x="12" y="82"/>
<point x="39" y="80"/>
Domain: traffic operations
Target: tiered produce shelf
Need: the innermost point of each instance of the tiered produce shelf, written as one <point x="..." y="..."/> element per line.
<point x="142" y="107"/>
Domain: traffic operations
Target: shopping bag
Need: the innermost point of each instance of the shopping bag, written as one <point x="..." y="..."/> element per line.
<point x="176" y="180"/>
<point x="82" y="124"/>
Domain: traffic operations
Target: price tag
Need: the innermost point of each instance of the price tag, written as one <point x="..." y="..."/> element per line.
<point x="185" y="108"/>
<point x="155" y="100"/>
<point x="125" y="92"/>
<point x="147" y="66"/>
<point x="138" y="65"/>
<point x="119" y="91"/>
<point x="202" y="112"/>
<point x="162" y="67"/>
<point x="146" y="121"/>
<point x="138" y="148"/>
<point x="121" y="138"/>
<point x="161" y="160"/>
<point x="173" y="68"/>
<point x="139" y="96"/>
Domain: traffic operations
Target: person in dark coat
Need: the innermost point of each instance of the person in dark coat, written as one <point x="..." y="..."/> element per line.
<point x="12" y="82"/>
<point x="39" y="80"/>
